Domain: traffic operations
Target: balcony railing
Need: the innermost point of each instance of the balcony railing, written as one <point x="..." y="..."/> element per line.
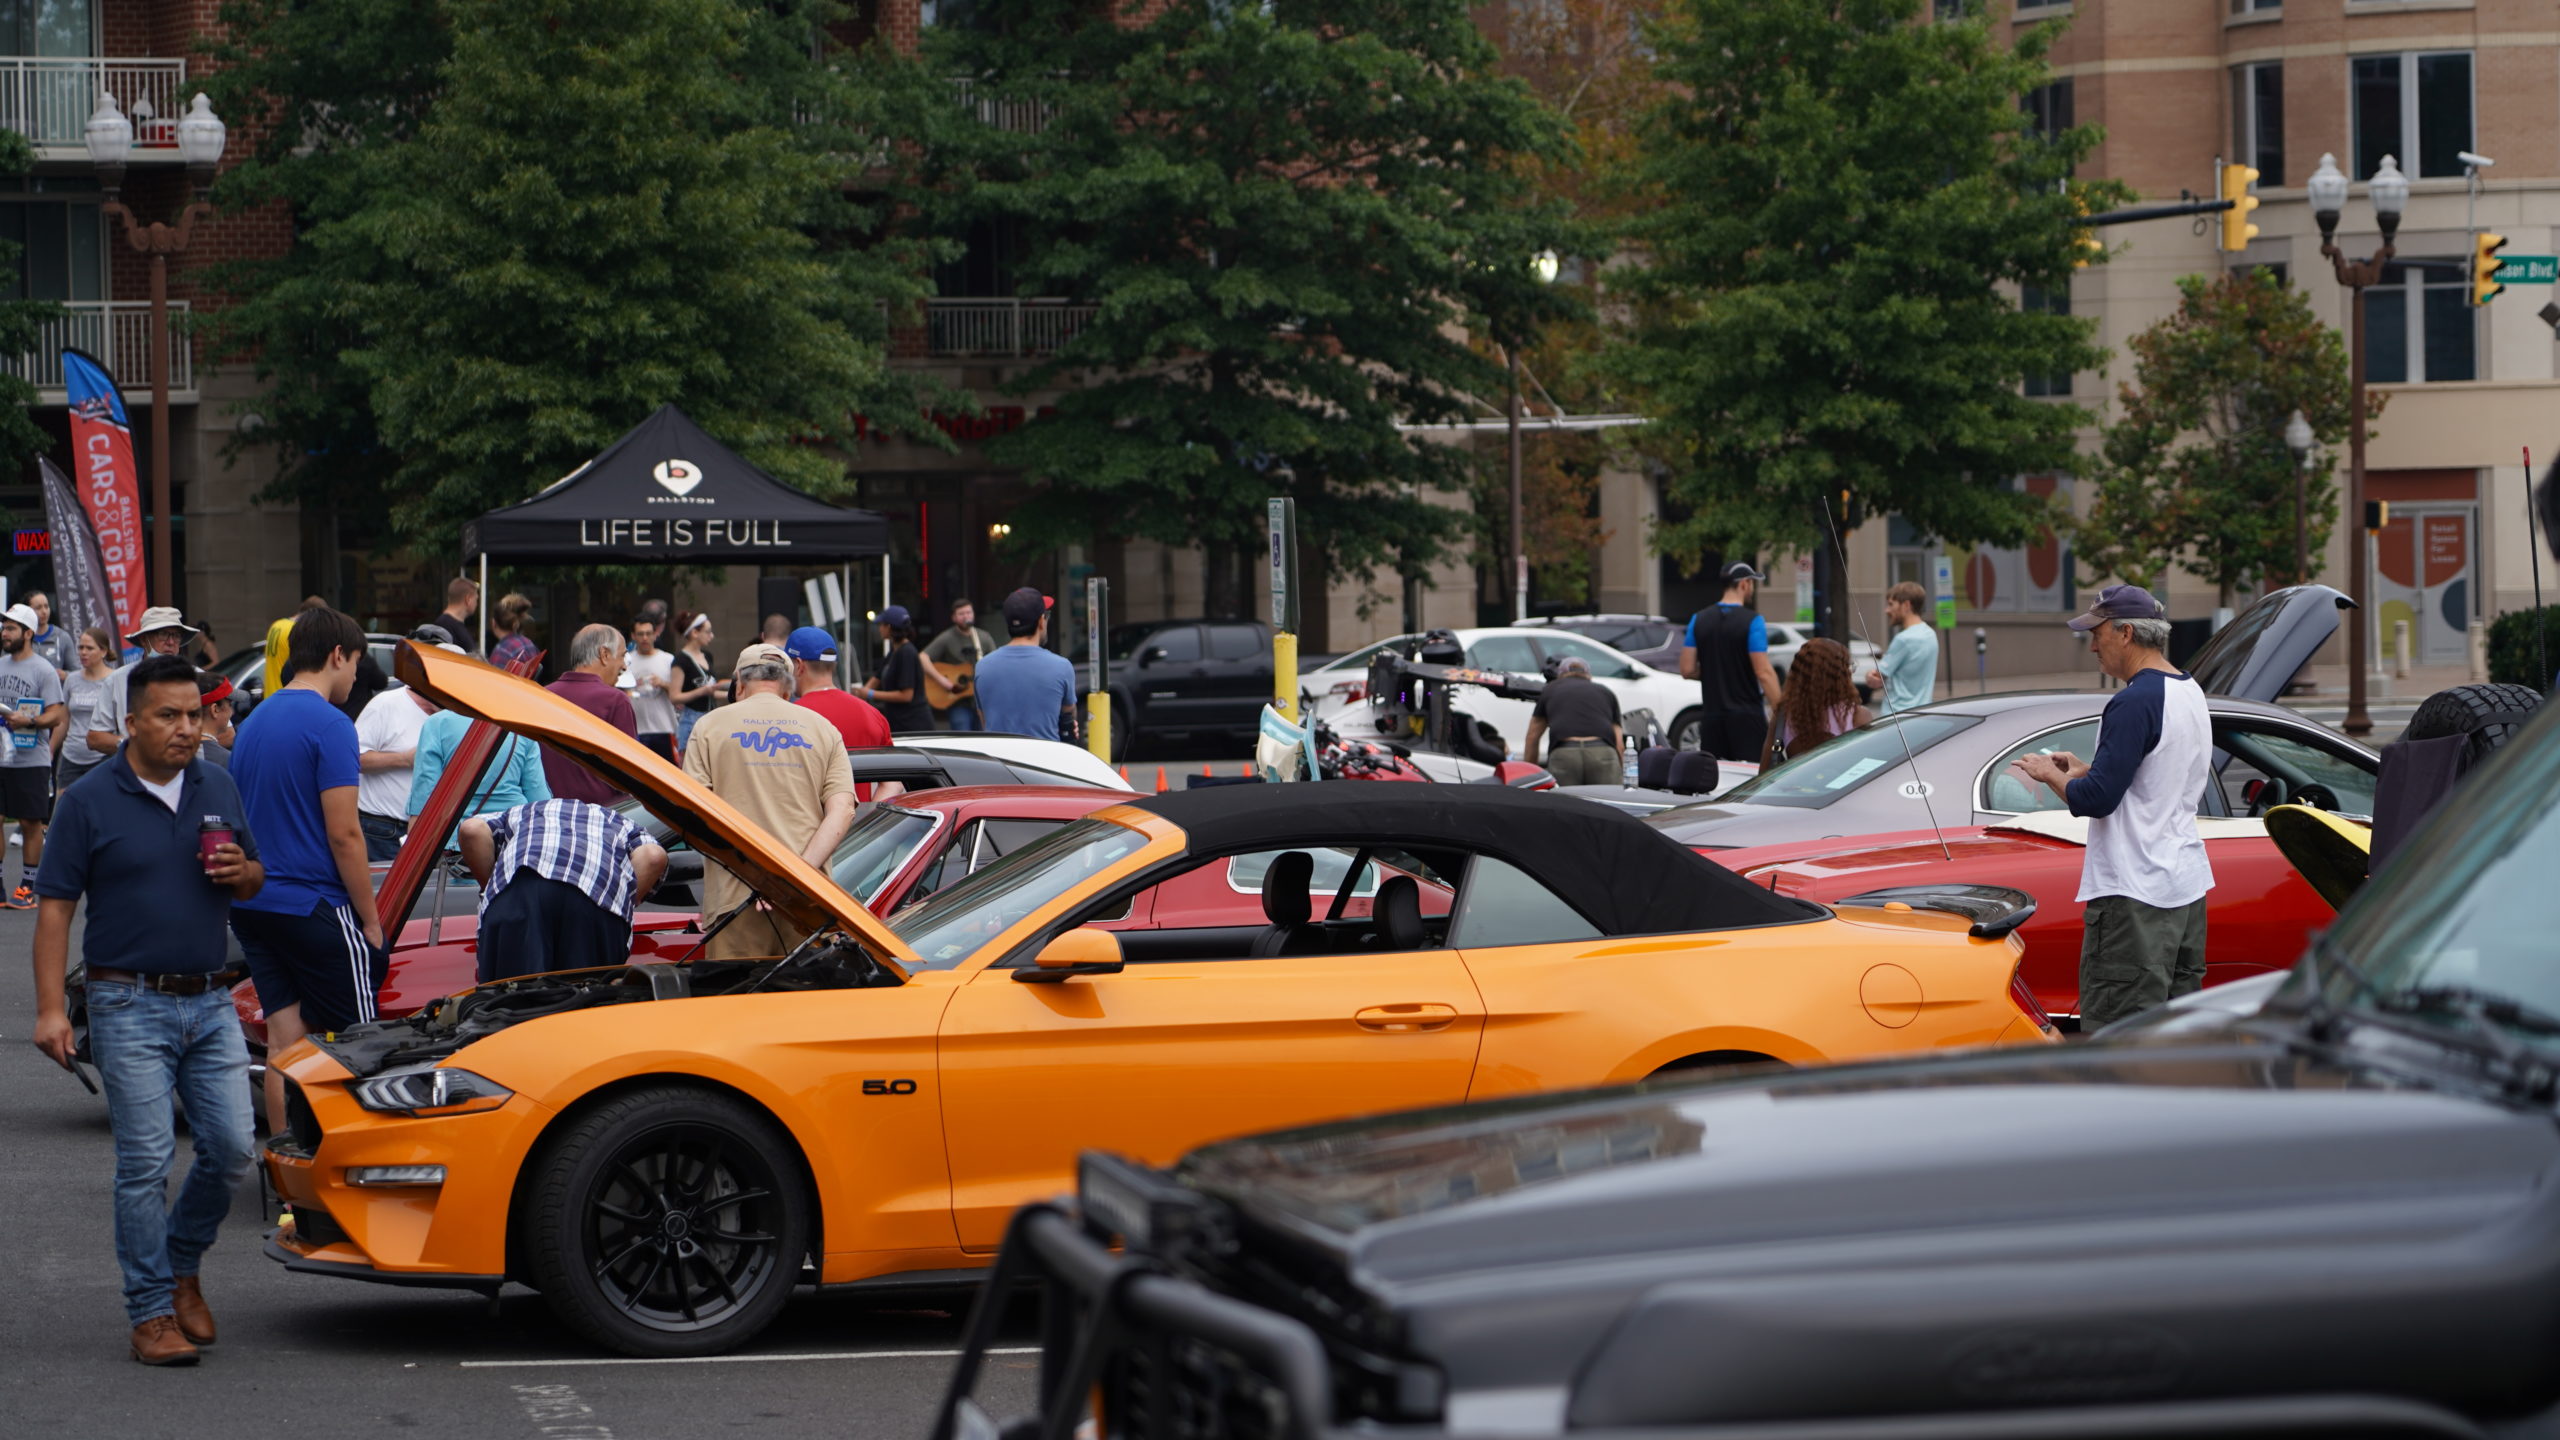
<point x="50" y="100"/>
<point x="117" y="334"/>
<point x="1003" y="326"/>
<point x="1022" y="117"/>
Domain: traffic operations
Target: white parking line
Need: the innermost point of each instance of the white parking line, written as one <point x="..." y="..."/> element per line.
<point x="740" y="1359"/>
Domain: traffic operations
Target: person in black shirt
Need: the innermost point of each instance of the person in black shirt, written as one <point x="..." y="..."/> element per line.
<point x="461" y="602"/>
<point x="1582" y="715"/>
<point x="899" y="687"/>
<point x="1727" y="653"/>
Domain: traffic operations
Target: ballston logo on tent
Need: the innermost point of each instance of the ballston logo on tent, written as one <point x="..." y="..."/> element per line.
<point x="679" y="476"/>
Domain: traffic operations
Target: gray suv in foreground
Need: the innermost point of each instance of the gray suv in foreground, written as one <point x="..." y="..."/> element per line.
<point x="2336" y="1214"/>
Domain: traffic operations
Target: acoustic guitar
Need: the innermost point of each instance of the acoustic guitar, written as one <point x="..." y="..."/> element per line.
<point x="963" y="685"/>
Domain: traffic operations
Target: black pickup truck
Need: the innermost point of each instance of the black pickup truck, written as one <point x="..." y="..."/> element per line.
<point x="2336" y="1213"/>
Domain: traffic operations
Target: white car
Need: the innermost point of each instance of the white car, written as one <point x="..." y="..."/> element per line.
<point x="1785" y="640"/>
<point x="1337" y="692"/>
<point x="1022" y="752"/>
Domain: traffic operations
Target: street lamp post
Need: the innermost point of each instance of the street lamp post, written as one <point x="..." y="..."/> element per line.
<point x="2298" y="438"/>
<point x="201" y="136"/>
<point x="2389" y="191"/>
<point x="1545" y="267"/>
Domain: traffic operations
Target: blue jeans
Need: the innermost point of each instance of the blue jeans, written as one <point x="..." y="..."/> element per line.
<point x="686" y="719"/>
<point x="963" y="715"/>
<point x="148" y="1047"/>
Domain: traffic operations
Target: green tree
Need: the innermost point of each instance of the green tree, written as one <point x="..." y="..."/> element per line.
<point x="522" y="227"/>
<point x="21" y="333"/>
<point x="1839" y="200"/>
<point x="1288" y="215"/>
<point x="2195" y="469"/>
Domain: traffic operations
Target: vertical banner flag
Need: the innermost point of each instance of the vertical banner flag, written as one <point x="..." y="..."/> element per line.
<point x="109" y="485"/>
<point x="81" y="595"/>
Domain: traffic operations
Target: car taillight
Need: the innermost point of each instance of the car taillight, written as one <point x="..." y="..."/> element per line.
<point x="2025" y="997"/>
<point x="1349" y="690"/>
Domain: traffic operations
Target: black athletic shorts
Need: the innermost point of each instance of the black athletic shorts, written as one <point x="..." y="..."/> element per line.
<point x="26" y="792"/>
<point x="1733" y="735"/>
<point x="318" y="961"/>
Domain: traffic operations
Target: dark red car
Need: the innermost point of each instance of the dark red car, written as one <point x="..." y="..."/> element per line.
<point x="2258" y="918"/>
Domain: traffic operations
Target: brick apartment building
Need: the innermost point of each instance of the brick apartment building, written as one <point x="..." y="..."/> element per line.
<point x="2277" y="84"/>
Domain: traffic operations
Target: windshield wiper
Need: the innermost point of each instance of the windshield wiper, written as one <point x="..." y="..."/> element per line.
<point x="2325" y="1014"/>
<point x="2516" y="1069"/>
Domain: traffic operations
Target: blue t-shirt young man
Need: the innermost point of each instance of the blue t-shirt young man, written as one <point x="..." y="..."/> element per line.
<point x="1024" y="687"/>
<point x="314" y="943"/>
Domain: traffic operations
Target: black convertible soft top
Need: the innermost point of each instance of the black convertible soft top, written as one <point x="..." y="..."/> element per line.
<point x="1625" y="877"/>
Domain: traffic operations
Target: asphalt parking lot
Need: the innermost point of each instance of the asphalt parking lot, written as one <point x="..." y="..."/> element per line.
<point x="306" y="1355"/>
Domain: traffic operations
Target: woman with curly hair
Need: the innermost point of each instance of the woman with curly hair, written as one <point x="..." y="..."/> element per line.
<point x="1818" y="702"/>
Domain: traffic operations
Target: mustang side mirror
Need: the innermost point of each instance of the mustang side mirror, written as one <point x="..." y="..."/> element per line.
<point x="1081" y="951"/>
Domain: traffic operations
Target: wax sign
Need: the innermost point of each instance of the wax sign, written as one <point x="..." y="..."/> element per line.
<point x="109" y="487"/>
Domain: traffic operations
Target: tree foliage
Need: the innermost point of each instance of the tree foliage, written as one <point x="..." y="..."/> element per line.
<point x="525" y="224"/>
<point x="21" y="333"/>
<point x="1288" y="215"/>
<point x="1837" y="201"/>
<point x="2195" y="469"/>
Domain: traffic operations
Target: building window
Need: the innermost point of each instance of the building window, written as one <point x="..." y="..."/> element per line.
<point x="2037" y="299"/>
<point x="48" y="28"/>
<point x="62" y="249"/>
<point x="2257" y="119"/>
<point x="2253" y="7"/>
<point x="2416" y="106"/>
<point x="2048" y="109"/>
<point x="2419" y="325"/>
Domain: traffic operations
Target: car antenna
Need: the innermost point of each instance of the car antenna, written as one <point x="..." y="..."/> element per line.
<point x="2533" y="547"/>
<point x="1910" y="761"/>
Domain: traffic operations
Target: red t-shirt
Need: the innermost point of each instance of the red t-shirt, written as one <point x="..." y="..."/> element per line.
<point x="856" y="719"/>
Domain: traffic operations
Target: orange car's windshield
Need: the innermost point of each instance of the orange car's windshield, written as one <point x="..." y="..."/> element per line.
<point x="949" y="926"/>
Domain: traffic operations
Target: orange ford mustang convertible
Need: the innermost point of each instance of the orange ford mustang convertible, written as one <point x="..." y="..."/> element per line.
<point x="664" y="1150"/>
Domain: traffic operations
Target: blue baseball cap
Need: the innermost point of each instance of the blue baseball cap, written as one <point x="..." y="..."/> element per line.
<point x="2119" y="602"/>
<point x="896" y="615"/>
<point x="811" y="644"/>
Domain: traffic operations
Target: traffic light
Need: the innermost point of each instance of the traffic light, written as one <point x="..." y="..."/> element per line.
<point x="2484" y="267"/>
<point x="2237" y="231"/>
<point x="2377" y="515"/>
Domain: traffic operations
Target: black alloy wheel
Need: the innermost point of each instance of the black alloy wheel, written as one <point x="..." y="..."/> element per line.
<point x="670" y="1221"/>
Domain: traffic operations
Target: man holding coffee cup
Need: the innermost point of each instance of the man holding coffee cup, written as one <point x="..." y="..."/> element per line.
<point x="157" y="843"/>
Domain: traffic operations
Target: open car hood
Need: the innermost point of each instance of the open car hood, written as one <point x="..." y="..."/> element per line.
<point x="2331" y="853"/>
<point x="707" y="822"/>
<point x="2265" y="646"/>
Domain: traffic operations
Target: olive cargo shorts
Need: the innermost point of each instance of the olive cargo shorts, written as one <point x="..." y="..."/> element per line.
<point x="1586" y="764"/>
<point x="2134" y="956"/>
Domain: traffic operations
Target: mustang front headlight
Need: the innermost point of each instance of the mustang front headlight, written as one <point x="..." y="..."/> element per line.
<point x="431" y="1090"/>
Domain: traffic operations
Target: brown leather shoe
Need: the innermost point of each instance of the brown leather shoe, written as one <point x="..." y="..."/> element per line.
<point x="195" y="1318"/>
<point x="157" y="1341"/>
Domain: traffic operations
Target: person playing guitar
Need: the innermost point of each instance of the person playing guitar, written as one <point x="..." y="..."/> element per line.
<point x="950" y="666"/>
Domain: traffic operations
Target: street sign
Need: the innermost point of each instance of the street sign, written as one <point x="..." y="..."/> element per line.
<point x="1284" y="563"/>
<point x="2529" y="270"/>
<point x="1943" y="583"/>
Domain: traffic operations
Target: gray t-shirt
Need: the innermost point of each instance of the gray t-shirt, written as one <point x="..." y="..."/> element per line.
<point x="23" y="678"/>
<point x="80" y="698"/>
<point x="108" y="713"/>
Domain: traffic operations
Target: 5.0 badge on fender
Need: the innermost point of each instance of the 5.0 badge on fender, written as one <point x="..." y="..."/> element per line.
<point x="888" y="1087"/>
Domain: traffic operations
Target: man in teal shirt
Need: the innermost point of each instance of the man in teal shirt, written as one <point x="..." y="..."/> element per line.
<point x="514" y="776"/>
<point x="1911" y="659"/>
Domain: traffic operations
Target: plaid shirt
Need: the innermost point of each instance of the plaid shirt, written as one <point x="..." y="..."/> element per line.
<point x="570" y="841"/>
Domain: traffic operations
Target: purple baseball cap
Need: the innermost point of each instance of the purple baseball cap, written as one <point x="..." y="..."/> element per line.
<point x="2119" y="602"/>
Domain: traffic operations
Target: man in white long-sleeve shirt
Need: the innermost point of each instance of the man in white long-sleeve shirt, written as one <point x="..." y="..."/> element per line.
<point x="2143" y="877"/>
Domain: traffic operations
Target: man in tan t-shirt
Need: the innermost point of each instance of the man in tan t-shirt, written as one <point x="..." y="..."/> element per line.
<point x="784" y="766"/>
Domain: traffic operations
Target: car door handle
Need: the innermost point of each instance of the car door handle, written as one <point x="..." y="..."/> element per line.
<point x="1406" y="1019"/>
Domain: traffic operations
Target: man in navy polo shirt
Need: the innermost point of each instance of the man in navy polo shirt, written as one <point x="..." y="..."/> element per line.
<point x="160" y="1017"/>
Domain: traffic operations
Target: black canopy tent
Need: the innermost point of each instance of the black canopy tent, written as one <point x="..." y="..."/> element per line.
<point x="667" y="493"/>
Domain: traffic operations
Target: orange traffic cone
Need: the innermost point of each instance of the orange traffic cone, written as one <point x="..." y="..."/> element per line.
<point x="1124" y="772"/>
<point x="1161" y="785"/>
